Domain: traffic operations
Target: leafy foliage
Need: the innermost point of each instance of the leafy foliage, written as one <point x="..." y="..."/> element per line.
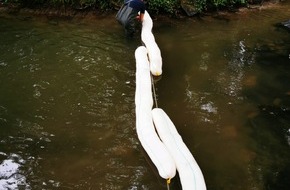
<point x="202" y="5"/>
<point x="163" y="5"/>
<point x="157" y="6"/>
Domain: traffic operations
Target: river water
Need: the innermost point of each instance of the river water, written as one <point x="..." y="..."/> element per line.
<point x="67" y="111"/>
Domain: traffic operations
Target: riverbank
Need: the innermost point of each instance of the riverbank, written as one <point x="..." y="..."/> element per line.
<point x="94" y="13"/>
<point x="61" y="12"/>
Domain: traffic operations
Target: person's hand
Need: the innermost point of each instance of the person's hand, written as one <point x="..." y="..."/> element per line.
<point x="140" y="17"/>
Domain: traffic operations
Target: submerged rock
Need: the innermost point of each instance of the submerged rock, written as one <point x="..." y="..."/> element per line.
<point x="286" y="24"/>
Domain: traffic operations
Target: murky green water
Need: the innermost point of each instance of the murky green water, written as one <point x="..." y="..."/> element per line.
<point x="67" y="113"/>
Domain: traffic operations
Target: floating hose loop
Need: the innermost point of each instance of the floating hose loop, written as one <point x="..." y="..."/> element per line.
<point x="168" y="183"/>
<point x="152" y="81"/>
<point x="154" y="93"/>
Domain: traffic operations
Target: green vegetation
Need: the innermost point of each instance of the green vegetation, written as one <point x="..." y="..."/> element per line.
<point x="156" y="6"/>
<point x="163" y="5"/>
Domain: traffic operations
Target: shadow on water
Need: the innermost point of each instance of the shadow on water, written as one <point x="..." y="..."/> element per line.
<point x="270" y="128"/>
